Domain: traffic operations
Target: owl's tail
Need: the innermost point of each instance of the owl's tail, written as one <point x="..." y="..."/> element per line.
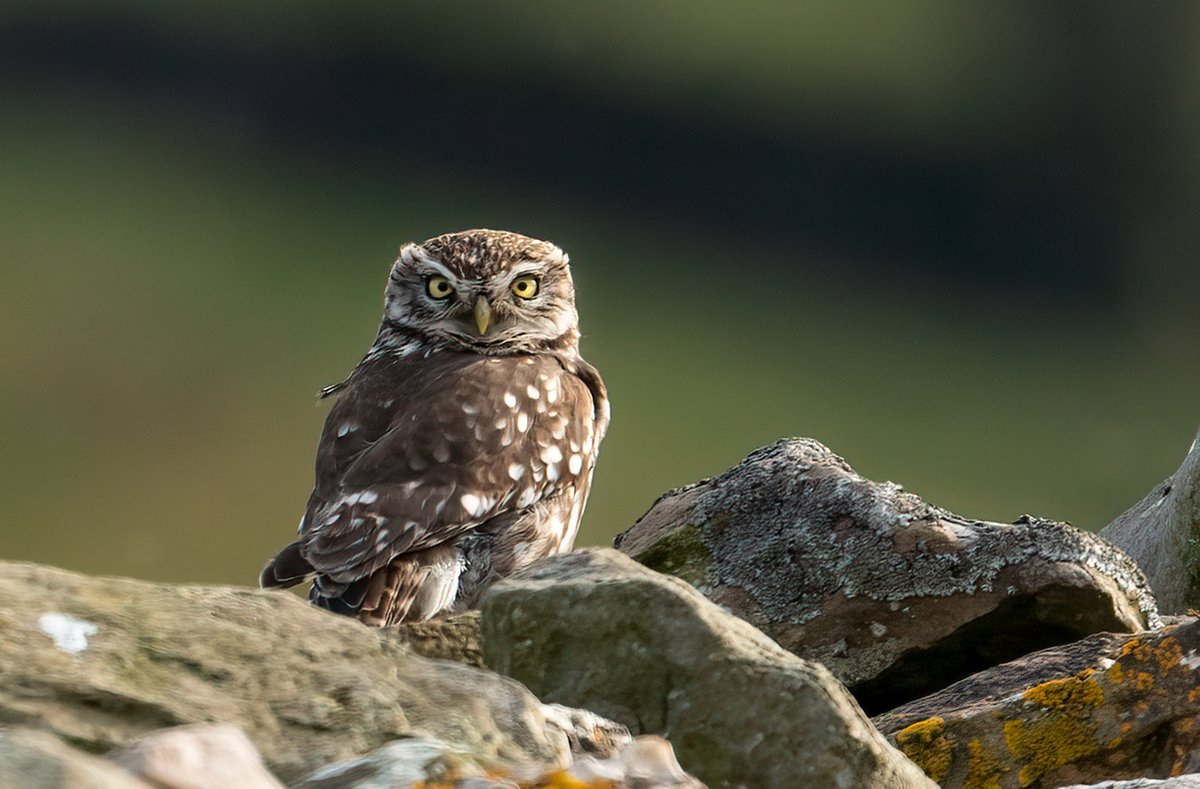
<point x="288" y="568"/>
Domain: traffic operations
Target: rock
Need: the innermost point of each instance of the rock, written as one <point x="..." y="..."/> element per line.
<point x="453" y="637"/>
<point x="586" y="732"/>
<point x="1179" y="782"/>
<point x="1162" y="533"/>
<point x="895" y="596"/>
<point x="201" y="756"/>
<point x="398" y="765"/>
<point x="594" y="629"/>
<point x="38" y="760"/>
<point x="103" y="661"/>
<point x="644" y="763"/>
<point x="1106" y="708"/>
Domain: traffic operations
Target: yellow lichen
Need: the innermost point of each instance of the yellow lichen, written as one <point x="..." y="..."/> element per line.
<point x="1061" y="732"/>
<point x="1194" y="694"/>
<point x="983" y="768"/>
<point x="1168" y="654"/>
<point x="924" y="743"/>
<point x="1143" y="680"/>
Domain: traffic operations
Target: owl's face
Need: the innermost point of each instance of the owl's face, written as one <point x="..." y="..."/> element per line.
<point x="484" y="290"/>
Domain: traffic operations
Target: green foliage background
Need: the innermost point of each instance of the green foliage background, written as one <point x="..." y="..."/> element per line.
<point x="180" y="277"/>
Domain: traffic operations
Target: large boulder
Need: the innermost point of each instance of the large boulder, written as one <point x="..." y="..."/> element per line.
<point x="102" y="661"/>
<point x="1162" y="533"/>
<point x="895" y="596"/>
<point x="594" y="629"/>
<point x="1109" y="707"/>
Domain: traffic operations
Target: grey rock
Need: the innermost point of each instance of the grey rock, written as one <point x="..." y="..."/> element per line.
<point x="586" y="732"/>
<point x="1109" y="707"/>
<point x="1178" y="782"/>
<point x="594" y="629"/>
<point x="102" y="661"/>
<point x="201" y="756"/>
<point x="450" y="637"/>
<point x="645" y="763"/>
<point x="895" y="596"/>
<point x="39" y="760"/>
<point x="397" y="765"/>
<point x="1162" y="533"/>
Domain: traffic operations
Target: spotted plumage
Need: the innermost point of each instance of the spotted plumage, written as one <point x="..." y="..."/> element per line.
<point x="461" y="447"/>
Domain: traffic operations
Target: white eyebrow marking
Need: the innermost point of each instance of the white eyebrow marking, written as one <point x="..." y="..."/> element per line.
<point x="419" y="255"/>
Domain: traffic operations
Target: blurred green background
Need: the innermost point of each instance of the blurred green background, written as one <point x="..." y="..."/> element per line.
<point x="956" y="242"/>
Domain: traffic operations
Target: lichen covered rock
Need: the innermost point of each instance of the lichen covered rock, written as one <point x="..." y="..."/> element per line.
<point x="1108" y="707"/>
<point x="895" y="596"/>
<point x="594" y="629"/>
<point x="102" y="661"/>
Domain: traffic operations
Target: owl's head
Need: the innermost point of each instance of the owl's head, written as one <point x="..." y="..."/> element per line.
<point x="488" y="291"/>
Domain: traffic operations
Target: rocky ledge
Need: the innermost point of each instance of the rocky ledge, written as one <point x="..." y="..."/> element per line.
<point x="991" y="655"/>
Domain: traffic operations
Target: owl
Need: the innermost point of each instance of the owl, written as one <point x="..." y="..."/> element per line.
<point x="461" y="448"/>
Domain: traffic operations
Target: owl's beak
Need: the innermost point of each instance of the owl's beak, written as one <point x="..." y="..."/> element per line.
<point x="483" y="315"/>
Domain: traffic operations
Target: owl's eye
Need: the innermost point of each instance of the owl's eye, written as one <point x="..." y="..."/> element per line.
<point x="525" y="287"/>
<point x="438" y="287"/>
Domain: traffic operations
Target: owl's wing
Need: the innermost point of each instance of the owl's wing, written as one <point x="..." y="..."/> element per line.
<point x="479" y="437"/>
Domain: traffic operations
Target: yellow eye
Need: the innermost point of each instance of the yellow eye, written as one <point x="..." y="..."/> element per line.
<point x="438" y="287"/>
<point x="525" y="287"/>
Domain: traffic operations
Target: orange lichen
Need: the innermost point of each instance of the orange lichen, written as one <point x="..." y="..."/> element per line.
<point x="1062" y="732"/>
<point x="1168" y="654"/>
<point x="1143" y="680"/>
<point x="925" y="744"/>
<point x="1116" y="675"/>
<point x="556" y="780"/>
<point x="1194" y="694"/>
<point x="1130" y="645"/>
<point x="983" y="768"/>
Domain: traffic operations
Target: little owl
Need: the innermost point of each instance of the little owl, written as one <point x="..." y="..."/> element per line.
<point x="461" y="447"/>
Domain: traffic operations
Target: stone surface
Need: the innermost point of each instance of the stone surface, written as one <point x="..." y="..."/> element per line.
<point x="454" y="637"/>
<point x="645" y="763"/>
<point x="398" y="765"/>
<point x="594" y="629"/>
<point x="1106" y="708"/>
<point x="895" y="596"/>
<point x="38" y="760"/>
<point x="103" y="661"/>
<point x="1179" y="782"/>
<point x="586" y="732"/>
<point x="1162" y="533"/>
<point x="201" y="756"/>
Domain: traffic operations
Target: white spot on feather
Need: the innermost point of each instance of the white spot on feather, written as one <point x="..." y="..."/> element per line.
<point x="516" y="471"/>
<point x="510" y="399"/>
<point x="551" y="454"/>
<point x="528" y="496"/>
<point x="474" y="505"/>
<point x="532" y="391"/>
<point x="575" y="464"/>
<point x="522" y="422"/>
<point x="346" y="430"/>
<point x="69" y="634"/>
<point x="368" y="497"/>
